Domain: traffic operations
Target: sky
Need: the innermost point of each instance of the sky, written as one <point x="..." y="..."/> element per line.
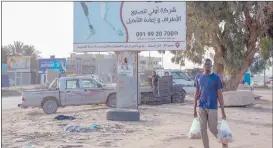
<point x="49" y="27"/>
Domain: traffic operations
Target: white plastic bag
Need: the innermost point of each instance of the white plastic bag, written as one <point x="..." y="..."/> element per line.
<point x="224" y="135"/>
<point x="195" y="131"/>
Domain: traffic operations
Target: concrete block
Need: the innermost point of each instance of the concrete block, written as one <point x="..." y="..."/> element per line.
<point x="123" y="115"/>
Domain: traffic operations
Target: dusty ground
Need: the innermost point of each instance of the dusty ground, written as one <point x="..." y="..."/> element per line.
<point x="164" y="126"/>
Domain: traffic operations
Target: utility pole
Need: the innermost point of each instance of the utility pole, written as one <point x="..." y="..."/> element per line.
<point x="270" y="58"/>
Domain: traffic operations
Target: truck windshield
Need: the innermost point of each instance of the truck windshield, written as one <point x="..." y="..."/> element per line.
<point x="180" y="75"/>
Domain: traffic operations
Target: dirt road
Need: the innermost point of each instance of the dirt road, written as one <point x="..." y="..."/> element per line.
<point x="164" y="126"/>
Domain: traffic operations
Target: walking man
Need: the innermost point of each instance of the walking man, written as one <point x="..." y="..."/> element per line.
<point x="208" y="91"/>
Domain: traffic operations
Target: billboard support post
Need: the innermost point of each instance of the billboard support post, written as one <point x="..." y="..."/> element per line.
<point x="127" y="93"/>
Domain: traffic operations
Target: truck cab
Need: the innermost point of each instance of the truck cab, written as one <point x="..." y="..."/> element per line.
<point x="179" y="77"/>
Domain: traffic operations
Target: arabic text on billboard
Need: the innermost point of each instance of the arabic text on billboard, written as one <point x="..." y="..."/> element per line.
<point x="57" y="64"/>
<point x="131" y="26"/>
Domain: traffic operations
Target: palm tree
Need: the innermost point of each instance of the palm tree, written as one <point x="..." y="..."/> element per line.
<point x="29" y="50"/>
<point x="18" y="48"/>
<point x="5" y="53"/>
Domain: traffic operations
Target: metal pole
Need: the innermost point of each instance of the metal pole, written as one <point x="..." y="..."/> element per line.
<point x="21" y="79"/>
<point x="15" y="78"/>
<point x="162" y="63"/>
<point x="264" y="78"/>
<point x="270" y="53"/>
<point x="137" y="82"/>
<point x="149" y="61"/>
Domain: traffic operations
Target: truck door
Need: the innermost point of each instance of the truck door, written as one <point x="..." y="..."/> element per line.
<point x="72" y="94"/>
<point x="93" y="94"/>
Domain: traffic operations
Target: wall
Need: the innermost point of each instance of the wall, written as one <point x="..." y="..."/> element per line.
<point x="27" y="78"/>
<point x="5" y="80"/>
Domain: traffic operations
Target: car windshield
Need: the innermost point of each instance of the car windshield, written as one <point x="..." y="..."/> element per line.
<point x="180" y="75"/>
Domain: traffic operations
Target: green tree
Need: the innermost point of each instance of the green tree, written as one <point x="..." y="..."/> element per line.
<point x="233" y="29"/>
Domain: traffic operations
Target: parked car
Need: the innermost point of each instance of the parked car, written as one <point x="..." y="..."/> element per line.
<point x="71" y="91"/>
<point x="269" y="83"/>
<point x="255" y="83"/>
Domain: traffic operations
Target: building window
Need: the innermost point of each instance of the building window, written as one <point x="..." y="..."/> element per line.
<point x="155" y="62"/>
<point x="143" y="62"/>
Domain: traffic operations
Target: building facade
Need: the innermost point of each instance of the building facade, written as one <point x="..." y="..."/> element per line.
<point x="22" y="70"/>
<point x="149" y="63"/>
<point x="104" y="65"/>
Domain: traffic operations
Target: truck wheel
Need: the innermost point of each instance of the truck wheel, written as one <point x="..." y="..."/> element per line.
<point x="50" y="106"/>
<point x="184" y="92"/>
<point x="183" y="95"/>
<point x="112" y="101"/>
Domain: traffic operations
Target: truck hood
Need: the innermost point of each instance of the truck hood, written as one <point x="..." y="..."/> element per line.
<point x="111" y="87"/>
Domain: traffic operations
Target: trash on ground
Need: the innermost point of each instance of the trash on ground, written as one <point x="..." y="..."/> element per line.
<point x="76" y="128"/>
<point x="63" y="117"/>
<point x="95" y="126"/>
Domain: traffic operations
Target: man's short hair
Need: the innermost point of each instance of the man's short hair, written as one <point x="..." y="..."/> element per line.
<point x="208" y="60"/>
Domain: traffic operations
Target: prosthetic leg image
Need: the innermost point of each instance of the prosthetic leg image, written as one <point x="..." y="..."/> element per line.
<point x="104" y="13"/>
<point x="86" y="13"/>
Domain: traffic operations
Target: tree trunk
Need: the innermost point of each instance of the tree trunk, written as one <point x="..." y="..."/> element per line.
<point x="219" y="62"/>
<point x="235" y="79"/>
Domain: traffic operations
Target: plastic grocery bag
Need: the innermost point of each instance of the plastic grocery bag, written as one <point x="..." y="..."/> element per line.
<point x="195" y="131"/>
<point x="224" y="133"/>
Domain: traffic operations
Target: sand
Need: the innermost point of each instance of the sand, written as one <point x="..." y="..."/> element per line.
<point x="164" y="126"/>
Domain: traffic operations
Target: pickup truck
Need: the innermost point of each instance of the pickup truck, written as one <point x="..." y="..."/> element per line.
<point x="71" y="91"/>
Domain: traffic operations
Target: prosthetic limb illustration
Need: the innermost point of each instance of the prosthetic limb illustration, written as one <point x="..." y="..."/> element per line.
<point x="86" y="13"/>
<point x="104" y="13"/>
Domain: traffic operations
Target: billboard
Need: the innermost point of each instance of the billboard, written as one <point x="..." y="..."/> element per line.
<point x="131" y="26"/>
<point x="56" y="63"/>
<point x="4" y="67"/>
<point x="18" y="62"/>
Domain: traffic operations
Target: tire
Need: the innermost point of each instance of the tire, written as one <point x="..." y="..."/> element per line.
<point x="183" y="95"/>
<point x="112" y="101"/>
<point x="50" y="106"/>
<point x="184" y="92"/>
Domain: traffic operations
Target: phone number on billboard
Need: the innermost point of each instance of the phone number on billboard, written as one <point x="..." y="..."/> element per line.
<point x="157" y="33"/>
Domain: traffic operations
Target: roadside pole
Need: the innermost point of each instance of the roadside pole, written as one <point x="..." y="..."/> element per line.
<point x="127" y="87"/>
